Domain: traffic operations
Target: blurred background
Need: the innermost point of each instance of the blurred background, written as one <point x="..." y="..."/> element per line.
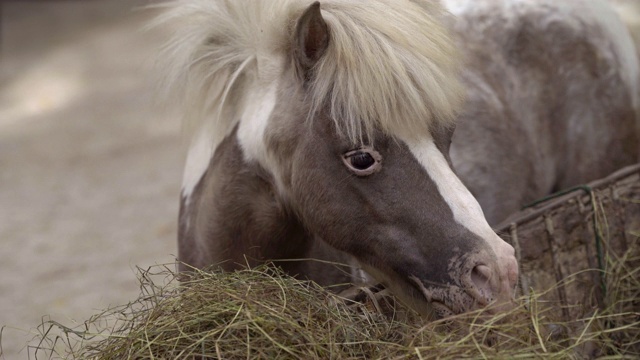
<point x="89" y="167"/>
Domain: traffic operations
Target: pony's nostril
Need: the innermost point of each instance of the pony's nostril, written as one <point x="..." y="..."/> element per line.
<point x="481" y="279"/>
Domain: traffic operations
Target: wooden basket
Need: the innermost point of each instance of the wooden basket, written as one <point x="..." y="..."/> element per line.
<point x="571" y="238"/>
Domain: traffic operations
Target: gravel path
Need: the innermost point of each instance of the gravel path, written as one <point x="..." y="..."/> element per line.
<point x="89" y="171"/>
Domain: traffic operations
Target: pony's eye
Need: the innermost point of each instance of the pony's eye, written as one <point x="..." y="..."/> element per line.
<point x="363" y="162"/>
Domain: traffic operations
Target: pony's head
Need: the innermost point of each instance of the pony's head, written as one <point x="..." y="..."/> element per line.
<point x="348" y="108"/>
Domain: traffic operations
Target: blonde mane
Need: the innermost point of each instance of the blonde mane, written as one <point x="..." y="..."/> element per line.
<point x="391" y="65"/>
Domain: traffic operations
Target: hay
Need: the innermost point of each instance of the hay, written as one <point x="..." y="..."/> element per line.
<point x="264" y="314"/>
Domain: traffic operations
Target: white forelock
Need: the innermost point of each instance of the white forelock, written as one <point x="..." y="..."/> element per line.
<point x="390" y="65"/>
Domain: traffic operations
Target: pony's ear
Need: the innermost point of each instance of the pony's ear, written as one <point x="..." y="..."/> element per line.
<point x="311" y="38"/>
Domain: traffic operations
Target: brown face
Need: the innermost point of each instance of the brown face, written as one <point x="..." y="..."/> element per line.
<point x="378" y="203"/>
<point x="392" y="202"/>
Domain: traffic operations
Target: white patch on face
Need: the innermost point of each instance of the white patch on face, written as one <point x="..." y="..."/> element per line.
<point x="465" y="208"/>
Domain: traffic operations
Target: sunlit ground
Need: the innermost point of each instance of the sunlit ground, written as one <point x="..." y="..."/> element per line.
<point x="43" y="89"/>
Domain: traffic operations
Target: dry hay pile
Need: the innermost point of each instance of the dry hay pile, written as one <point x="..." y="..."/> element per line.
<point x="581" y="299"/>
<point x="264" y="314"/>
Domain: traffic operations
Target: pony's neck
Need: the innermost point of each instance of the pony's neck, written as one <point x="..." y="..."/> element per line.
<point x="236" y="203"/>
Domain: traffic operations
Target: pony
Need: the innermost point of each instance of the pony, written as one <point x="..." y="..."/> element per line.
<point x="321" y="131"/>
<point x="324" y="133"/>
<point x="552" y="98"/>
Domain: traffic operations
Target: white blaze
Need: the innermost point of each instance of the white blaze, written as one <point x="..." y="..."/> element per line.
<point x="465" y="208"/>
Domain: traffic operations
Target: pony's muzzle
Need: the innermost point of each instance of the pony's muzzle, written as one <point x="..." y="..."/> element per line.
<point x="493" y="281"/>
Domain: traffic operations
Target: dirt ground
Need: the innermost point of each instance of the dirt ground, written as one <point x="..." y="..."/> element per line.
<point x="89" y="169"/>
